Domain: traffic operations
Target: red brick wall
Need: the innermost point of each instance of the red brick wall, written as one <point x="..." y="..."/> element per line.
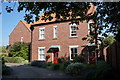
<point x="20" y="31"/>
<point x="63" y="40"/>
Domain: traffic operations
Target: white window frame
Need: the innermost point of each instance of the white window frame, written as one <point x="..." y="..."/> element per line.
<point x="71" y="30"/>
<point x="39" y="53"/>
<point x="55" y="32"/>
<point x="73" y="46"/>
<point x="41" y="34"/>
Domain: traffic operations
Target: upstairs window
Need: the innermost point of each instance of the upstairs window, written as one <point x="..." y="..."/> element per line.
<point x="73" y="30"/>
<point x="42" y="33"/>
<point x="55" y="32"/>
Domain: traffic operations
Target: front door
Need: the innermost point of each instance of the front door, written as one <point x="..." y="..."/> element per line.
<point x="56" y="57"/>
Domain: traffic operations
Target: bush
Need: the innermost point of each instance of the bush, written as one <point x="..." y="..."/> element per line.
<point x="19" y="49"/>
<point x="55" y="66"/>
<point x="39" y="64"/>
<point x="14" y="59"/>
<point x="3" y="55"/>
<point x="59" y="60"/>
<point x="6" y="70"/>
<point x="75" y="68"/>
<point x="80" y="59"/>
<point x="89" y="72"/>
<point x="49" y="63"/>
<point x="103" y="71"/>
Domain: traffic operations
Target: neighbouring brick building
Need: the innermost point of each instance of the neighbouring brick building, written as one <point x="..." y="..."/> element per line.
<point x="21" y="33"/>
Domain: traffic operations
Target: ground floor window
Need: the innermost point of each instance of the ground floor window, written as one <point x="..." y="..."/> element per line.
<point x="73" y="51"/>
<point x="41" y="53"/>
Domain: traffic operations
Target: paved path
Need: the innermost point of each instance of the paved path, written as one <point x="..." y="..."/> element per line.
<point x="25" y="71"/>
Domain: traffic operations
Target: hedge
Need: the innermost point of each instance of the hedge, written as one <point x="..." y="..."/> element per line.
<point x="14" y="60"/>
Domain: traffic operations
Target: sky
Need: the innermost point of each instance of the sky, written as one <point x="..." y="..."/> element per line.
<point x="8" y="22"/>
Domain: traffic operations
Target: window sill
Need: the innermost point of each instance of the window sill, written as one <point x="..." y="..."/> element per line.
<point x="54" y="38"/>
<point x="41" y="59"/>
<point x="73" y="37"/>
<point x="41" y="39"/>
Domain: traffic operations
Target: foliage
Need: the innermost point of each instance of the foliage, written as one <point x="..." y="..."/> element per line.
<point x="103" y="71"/>
<point x="6" y="70"/>
<point x="3" y="55"/>
<point x="14" y="60"/>
<point x="104" y="16"/>
<point x="19" y="49"/>
<point x="39" y="64"/>
<point x="49" y="63"/>
<point x="89" y="72"/>
<point x="55" y="66"/>
<point x="61" y="9"/>
<point x="75" y="68"/>
<point x="108" y="41"/>
<point x="66" y="64"/>
<point x="80" y="59"/>
<point x="3" y="49"/>
<point x="100" y="71"/>
<point x="61" y="60"/>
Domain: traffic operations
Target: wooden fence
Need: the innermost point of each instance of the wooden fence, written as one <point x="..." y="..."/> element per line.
<point x="113" y="55"/>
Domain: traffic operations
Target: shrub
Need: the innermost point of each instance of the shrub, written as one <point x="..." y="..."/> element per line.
<point x="39" y="64"/>
<point x="103" y="71"/>
<point x="66" y="64"/>
<point x="80" y="59"/>
<point x="59" y="60"/>
<point x="6" y="70"/>
<point x="89" y="72"/>
<point x="14" y="59"/>
<point x="49" y="63"/>
<point x="3" y="55"/>
<point x="19" y="49"/>
<point x="55" y="66"/>
<point x="75" y="68"/>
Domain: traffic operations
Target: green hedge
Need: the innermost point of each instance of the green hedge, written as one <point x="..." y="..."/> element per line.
<point x="39" y="64"/>
<point x="14" y="60"/>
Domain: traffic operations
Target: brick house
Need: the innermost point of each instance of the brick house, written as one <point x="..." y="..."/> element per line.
<point x="55" y="39"/>
<point x="52" y="39"/>
<point x="21" y="33"/>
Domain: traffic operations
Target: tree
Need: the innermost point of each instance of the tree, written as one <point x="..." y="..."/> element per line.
<point x="19" y="49"/>
<point x="3" y="49"/>
<point x="108" y="41"/>
<point x="106" y="17"/>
